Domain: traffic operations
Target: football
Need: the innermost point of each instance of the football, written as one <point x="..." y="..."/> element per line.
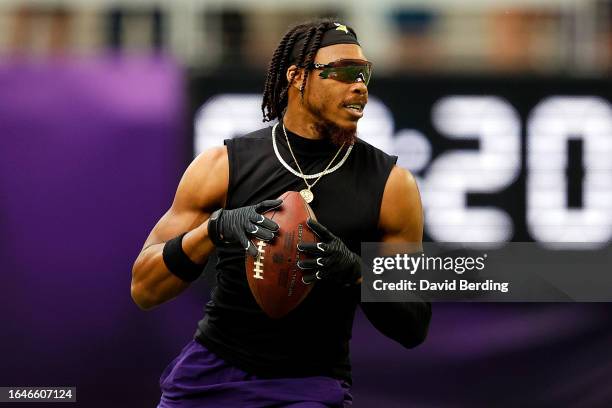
<point x="274" y="277"/>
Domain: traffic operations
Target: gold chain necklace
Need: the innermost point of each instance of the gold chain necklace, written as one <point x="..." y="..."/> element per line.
<point x="307" y="176"/>
<point x="307" y="193"/>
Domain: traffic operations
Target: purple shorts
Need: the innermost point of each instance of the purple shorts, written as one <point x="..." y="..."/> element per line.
<point x="197" y="378"/>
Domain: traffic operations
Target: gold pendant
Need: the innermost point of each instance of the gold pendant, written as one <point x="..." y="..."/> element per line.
<point x="307" y="195"/>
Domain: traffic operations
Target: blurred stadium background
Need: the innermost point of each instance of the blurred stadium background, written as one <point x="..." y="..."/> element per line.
<point x="501" y="109"/>
<point x="442" y="36"/>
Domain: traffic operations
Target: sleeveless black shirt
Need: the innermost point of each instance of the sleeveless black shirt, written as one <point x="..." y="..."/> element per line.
<point x="313" y="339"/>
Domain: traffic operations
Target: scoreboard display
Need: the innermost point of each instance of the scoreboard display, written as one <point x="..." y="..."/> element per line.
<point x="496" y="159"/>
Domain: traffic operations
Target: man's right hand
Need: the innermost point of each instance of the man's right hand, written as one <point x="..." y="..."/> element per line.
<point x="235" y="226"/>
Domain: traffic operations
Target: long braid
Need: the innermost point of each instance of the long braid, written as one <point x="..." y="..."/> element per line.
<point x="283" y="97"/>
<point x="276" y="88"/>
<point x="282" y="85"/>
<point x="310" y="57"/>
<point x="271" y="84"/>
<point x="274" y="79"/>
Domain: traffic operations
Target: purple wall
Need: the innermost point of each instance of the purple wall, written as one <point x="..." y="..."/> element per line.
<point x="90" y="155"/>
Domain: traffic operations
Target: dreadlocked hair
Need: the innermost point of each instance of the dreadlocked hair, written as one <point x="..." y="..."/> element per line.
<point x="276" y="89"/>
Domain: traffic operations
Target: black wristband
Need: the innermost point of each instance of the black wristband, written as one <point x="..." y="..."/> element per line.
<point x="177" y="261"/>
<point x="213" y="228"/>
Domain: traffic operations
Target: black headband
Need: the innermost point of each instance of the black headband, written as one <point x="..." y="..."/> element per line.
<point x="336" y="34"/>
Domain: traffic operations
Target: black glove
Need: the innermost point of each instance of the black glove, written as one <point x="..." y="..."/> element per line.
<point x="234" y="226"/>
<point x="333" y="260"/>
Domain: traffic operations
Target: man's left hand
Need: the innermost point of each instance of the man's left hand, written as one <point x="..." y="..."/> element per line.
<point x="332" y="259"/>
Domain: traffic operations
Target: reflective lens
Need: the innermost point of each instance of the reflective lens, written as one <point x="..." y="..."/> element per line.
<point x="346" y="70"/>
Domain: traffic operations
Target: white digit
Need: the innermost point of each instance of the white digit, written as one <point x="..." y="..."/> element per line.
<point x="552" y="123"/>
<point x="413" y="149"/>
<point x="496" y="125"/>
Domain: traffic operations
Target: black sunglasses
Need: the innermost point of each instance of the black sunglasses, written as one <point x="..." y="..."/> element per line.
<point x="346" y="70"/>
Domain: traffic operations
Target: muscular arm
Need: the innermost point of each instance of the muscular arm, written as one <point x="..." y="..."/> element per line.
<point x="202" y="190"/>
<point x="401" y="220"/>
